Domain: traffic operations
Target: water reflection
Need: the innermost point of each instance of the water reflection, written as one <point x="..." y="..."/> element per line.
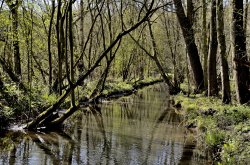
<point x="139" y="129"/>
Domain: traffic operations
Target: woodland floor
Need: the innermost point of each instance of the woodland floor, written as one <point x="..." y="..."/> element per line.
<point x="223" y="130"/>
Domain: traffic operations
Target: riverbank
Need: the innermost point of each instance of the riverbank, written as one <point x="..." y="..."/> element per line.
<point x="115" y="90"/>
<point x="112" y="90"/>
<point x="222" y="130"/>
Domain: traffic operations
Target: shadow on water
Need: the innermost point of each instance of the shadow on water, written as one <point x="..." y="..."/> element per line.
<point x="139" y="129"/>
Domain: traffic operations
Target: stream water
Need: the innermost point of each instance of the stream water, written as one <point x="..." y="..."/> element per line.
<point x="139" y="129"/>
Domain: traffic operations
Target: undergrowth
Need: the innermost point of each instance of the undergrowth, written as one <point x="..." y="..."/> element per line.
<point x="223" y="130"/>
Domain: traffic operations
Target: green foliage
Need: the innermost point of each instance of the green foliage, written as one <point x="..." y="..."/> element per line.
<point x="5" y="115"/>
<point x="214" y="138"/>
<point x="49" y="99"/>
<point x="236" y="149"/>
<point x="118" y="86"/>
<point x="226" y="132"/>
<point x="6" y="111"/>
<point x="6" y="144"/>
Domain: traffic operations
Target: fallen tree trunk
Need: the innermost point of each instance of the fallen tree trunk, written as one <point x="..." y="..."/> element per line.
<point x="58" y="121"/>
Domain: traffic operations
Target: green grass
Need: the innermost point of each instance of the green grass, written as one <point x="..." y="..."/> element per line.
<point x="226" y="133"/>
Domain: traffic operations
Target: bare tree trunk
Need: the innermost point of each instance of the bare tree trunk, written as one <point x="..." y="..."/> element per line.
<point x="204" y="40"/>
<point x="172" y="41"/>
<point x="82" y="34"/>
<point x="49" y="45"/>
<point x="245" y="16"/>
<point x="226" y="92"/>
<point x="30" y="62"/>
<point x="193" y="54"/>
<point x="245" y="24"/>
<point x="109" y="59"/>
<point x="13" y="6"/>
<point x="213" y="45"/>
<point x="71" y="42"/>
<point x="154" y="57"/>
<point x="190" y="11"/>
<point x="239" y="53"/>
<point x="59" y="49"/>
<point x="172" y="89"/>
<point x="17" y="60"/>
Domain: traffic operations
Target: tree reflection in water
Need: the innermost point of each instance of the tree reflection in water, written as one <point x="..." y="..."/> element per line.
<point x="139" y="129"/>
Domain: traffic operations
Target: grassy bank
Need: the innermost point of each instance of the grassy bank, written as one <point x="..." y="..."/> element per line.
<point x="222" y="130"/>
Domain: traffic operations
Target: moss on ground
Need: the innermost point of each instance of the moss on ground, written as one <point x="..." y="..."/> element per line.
<point x="223" y="130"/>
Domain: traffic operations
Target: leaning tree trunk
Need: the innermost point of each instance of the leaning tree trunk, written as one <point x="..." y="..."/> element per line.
<point x="172" y="89"/>
<point x="192" y="50"/>
<point x="213" y="45"/>
<point x="226" y="92"/>
<point x="239" y="53"/>
<point x="190" y="11"/>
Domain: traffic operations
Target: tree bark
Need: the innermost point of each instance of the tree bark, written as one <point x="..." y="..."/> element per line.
<point x="246" y="24"/>
<point x="204" y="41"/>
<point x="82" y="35"/>
<point x="246" y="15"/>
<point x="13" y="6"/>
<point x="17" y="60"/>
<point x="213" y="45"/>
<point x="190" y="11"/>
<point x="59" y="46"/>
<point x="71" y="42"/>
<point x="226" y="91"/>
<point x="49" y="45"/>
<point x="192" y="50"/>
<point x="239" y="52"/>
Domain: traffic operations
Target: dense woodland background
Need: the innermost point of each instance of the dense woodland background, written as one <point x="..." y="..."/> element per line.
<point x="56" y="48"/>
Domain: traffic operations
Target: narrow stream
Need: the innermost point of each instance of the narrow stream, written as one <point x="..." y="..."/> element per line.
<point x="139" y="129"/>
